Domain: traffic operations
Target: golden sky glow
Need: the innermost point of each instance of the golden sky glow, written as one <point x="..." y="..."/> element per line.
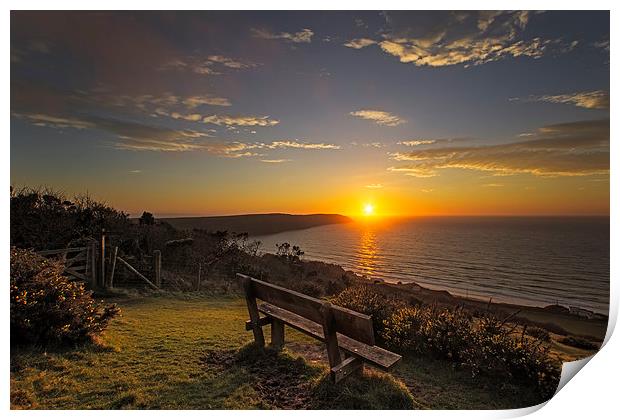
<point x="302" y="113"/>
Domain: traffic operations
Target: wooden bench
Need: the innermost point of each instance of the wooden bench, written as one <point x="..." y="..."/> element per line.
<point x="339" y="328"/>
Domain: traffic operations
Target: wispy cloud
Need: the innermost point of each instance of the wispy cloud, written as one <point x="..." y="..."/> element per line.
<point x="303" y="36"/>
<point x="295" y="144"/>
<point x="379" y="117"/>
<point x="492" y="185"/>
<point x="245" y="121"/>
<point x="275" y="160"/>
<point x="602" y="44"/>
<point x="571" y="149"/>
<point x="374" y="186"/>
<point x="44" y="120"/>
<point x="141" y="137"/>
<point x="467" y="38"/>
<point x="359" y="43"/>
<point x="596" y="99"/>
<point x="416" y="142"/>
<point x="211" y="65"/>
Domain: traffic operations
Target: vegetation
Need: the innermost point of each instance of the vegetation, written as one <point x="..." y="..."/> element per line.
<point x="365" y="300"/>
<point x="188" y="351"/>
<point x="185" y="351"/>
<point x="43" y="219"/>
<point x="578" y="342"/>
<point x="482" y="345"/>
<point x="47" y="308"/>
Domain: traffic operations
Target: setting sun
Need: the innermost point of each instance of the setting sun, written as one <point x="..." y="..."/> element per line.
<point x="369" y="209"/>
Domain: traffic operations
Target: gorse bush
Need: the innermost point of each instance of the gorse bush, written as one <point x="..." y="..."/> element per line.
<point x="365" y="300"/>
<point x="483" y="345"/>
<point x="47" y="308"/>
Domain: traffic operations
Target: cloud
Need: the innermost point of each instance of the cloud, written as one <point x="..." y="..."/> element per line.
<point x="141" y="137"/>
<point x="198" y="100"/>
<point x="416" y="142"/>
<point x="135" y="171"/>
<point x="275" y="160"/>
<point x="379" y="117"/>
<point x="493" y="185"/>
<point x="597" y="99"/>
<point x="433" y="142"/>
<point x="602" y="44"/>
<point x="303" y="36"/>
<point x="206" y="66"/>
<point x="359" y="43"/>
<point x="295" y="144"/>
<point x="44" y="120"/>
<point x="467" y="38"/>
<point x="246" y="121"/>
<point x="374" y="186"/>
<point x="230" y="62"/>
<point x="570" y="149"/>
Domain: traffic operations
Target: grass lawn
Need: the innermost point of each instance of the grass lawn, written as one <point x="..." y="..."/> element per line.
<point x="191" y="352"/>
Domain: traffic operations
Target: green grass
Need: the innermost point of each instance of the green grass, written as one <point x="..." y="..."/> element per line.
<point x="191" y="352"/>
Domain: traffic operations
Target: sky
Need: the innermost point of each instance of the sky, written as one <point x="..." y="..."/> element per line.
<point x="414" y="113"/>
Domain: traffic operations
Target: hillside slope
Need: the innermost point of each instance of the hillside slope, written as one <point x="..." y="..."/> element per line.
<point x="257" y="224"/>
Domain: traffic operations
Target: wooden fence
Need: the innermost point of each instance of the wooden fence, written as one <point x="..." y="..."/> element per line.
<point x="80" y="262"/>
<point x="97" y="264"/>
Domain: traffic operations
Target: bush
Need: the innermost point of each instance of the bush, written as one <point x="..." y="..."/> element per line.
<point x="47" y="219"/>
<point x="482" y="345"/>
<point x="579" y="343"/>
<point x="539" y="333"/>
<point x="47" y="308"/>
<point x="363" y="299"/>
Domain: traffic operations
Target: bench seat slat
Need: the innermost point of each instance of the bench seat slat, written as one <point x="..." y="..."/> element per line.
<point x="373" y="355"/>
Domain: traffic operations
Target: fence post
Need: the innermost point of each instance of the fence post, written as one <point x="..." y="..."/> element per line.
<point x="102" y="256"/>
<point x="157" y="267"/>
<point x="199" y="273"/>
<point x="93" y="264"/>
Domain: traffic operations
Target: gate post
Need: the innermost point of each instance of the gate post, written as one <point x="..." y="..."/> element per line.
<point x="92" y="255"/>
<point x="102" y="262"/>
<point x="157" y="267"/>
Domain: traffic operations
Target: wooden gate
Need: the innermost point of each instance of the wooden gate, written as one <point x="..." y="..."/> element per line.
<point x="80" y="262"/>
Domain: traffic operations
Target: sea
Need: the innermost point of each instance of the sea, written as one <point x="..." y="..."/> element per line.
<point x="535" y="261"/>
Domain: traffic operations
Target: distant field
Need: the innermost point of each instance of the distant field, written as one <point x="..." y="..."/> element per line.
<point x="180" y="352"/>
<point x="256" y="224"/>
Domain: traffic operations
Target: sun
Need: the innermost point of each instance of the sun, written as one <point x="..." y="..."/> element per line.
<point x="369" y="209"/>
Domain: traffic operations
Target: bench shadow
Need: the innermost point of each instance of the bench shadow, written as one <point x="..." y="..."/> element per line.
<point x="284" y="380"/>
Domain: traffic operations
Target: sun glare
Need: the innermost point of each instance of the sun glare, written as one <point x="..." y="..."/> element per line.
<point x="369" y="209"/>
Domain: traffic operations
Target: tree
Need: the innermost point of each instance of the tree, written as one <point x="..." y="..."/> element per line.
<point x="147" y="219"/>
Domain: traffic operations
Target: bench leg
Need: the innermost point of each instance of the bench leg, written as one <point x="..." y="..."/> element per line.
<point x="329" y="332"/>
<point x="344" y="369"/>
<point x="277" y="334"/>
<point x="254" y="315"/>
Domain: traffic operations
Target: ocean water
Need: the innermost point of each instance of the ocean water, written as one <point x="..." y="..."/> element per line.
<point x="526" y="260"/>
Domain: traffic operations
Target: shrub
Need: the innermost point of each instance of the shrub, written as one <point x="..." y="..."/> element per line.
<point x="47" y="219"/>
<point x="365" y="300"/>
<point x="579" y="343"/>
<point x="483" y="345"/>
<point x="48" y="308"/>
<point x="539" y="333"/>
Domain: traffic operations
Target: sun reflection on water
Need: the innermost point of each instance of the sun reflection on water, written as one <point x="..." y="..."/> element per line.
<point x="367" y="251"/>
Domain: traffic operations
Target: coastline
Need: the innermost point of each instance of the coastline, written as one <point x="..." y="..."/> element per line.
<point x="547" y="317"/>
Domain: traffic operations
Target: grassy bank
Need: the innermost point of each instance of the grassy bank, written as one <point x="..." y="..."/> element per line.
<point x="182" y="352"/>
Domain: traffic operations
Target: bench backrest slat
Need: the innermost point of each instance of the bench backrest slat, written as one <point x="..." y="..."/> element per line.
<point x="350" y="323"/>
